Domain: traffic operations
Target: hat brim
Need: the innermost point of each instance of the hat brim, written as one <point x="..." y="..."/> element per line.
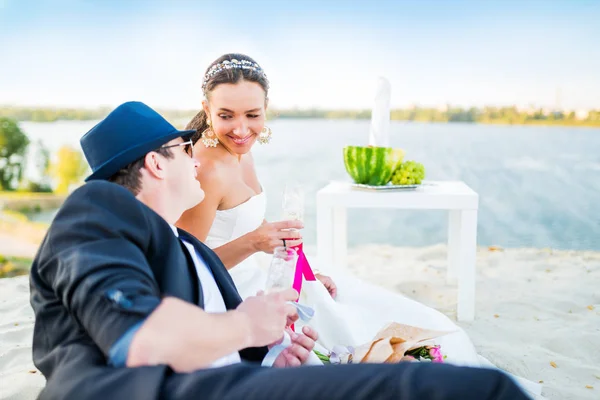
<point x="126" y="157"/>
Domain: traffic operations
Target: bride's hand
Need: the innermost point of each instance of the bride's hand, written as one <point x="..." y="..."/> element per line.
<point x="271" y="234"/>
<point x="299" y="351"/>
<point x="328" y="283"/>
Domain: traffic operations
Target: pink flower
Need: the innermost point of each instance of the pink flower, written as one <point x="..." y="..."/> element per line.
<point x="436" y="354"/>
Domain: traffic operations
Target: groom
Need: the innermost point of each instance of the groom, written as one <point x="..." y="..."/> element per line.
<point x="127" y="306"/>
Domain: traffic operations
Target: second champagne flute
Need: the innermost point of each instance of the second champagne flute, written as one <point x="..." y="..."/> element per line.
<point x="282" y="269"/>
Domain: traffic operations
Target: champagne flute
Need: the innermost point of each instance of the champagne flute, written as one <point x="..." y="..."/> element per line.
<point x="282" y="270"/>
<point x="293" y="202"/>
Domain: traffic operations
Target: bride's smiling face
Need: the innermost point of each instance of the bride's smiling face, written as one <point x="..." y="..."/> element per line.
<point x="237" y="114"/>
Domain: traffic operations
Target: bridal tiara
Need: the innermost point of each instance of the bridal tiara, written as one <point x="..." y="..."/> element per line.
<point x="232" y="64"/>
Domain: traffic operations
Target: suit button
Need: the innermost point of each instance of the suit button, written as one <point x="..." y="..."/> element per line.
<point x="117" y="297"/>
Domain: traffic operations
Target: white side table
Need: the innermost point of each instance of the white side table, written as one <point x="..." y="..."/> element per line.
<point x="455" y="196"/>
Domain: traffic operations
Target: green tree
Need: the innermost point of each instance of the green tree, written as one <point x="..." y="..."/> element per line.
<point x="42" y="163"/>
<point x="13" y="143"/>
<point x="69" y="168"/>
<point x="39" y="155"/>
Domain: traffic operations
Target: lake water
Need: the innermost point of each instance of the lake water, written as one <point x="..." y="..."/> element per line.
<point x="538" y="186"/>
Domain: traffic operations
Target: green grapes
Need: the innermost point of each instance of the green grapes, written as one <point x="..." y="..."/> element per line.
<point x="409" y="173"/>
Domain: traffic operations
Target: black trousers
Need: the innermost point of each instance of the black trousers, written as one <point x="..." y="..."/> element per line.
<point x="405" y="381"/>
<point x="85" y="376"/>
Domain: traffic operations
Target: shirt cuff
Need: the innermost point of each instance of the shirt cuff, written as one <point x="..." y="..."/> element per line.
<point x="117" y="355"/>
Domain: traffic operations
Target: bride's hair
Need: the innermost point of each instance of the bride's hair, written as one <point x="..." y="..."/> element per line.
<point x="221" y="71"/>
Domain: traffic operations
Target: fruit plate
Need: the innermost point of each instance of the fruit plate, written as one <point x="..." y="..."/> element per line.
<point x="389" y="186"/>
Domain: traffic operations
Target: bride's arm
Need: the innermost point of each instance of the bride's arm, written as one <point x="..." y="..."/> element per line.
<point x="236" y="251"/>
<point x="199" y="219"/>
<point x="265" y="238"/>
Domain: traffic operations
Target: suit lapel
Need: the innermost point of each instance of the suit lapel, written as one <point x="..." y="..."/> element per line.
<point x="228" y="290"/>
<point x="197" y="289"/>
<point x="226" y="286"/>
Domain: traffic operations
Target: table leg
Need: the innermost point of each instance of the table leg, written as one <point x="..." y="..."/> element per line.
<point x="466" y="265"/>
<point x="340" y="238"/>
<point x="453" y="245"/>
<point x="325" y="236"/>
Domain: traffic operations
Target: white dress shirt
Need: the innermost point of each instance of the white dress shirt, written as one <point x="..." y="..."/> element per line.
<point x="213" y="299"/>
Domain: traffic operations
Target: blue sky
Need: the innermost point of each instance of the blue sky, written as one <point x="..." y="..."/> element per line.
<point x="316" y="53"/>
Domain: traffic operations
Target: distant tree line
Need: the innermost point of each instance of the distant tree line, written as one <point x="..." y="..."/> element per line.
<point x="485" y="115"/>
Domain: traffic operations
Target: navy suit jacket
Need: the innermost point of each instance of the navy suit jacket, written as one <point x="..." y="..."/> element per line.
<point x="104" y="265"/>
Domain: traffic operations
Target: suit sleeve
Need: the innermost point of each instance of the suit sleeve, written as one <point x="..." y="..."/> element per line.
<point x="94" y="260"/>
<point x="118" y="352"/>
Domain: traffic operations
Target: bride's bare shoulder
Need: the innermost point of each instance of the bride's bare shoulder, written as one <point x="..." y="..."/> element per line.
<point x="213" y="170"/>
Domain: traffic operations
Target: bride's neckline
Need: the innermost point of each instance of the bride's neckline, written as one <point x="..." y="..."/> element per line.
<point x="262" y="192"/>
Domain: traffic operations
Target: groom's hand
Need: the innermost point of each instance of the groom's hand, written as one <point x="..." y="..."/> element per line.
<point x="268" y="315"/>
<point x="298" y="352"/>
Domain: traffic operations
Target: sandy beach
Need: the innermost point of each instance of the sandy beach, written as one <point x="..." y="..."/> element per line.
<point x="537" y="310"/>
<point x="537" y="313"/>
<point x="18" y="377"/>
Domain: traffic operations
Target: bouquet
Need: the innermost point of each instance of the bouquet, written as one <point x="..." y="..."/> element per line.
<point x="394" y="343"/>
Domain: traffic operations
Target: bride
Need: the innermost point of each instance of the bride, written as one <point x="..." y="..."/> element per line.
<point x="231" y="219"/>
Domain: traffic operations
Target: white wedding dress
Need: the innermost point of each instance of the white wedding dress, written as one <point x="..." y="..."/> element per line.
<point x="360" y="309"/>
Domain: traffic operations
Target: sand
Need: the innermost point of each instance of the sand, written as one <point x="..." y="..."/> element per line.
<point x="537" y="313"/>
<point x="537" y="310"/>
<point x="18" y="377"/>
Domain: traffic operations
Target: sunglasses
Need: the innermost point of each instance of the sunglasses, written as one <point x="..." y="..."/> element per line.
<point x="188" y="147"/>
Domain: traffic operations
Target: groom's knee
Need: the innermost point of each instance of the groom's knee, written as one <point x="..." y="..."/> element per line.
<point x="444" y="381"/>
<point x="501" y="385"/>
<point x="484" y="383"/>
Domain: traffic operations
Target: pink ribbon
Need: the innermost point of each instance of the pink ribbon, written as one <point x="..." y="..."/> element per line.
<point x="302" y="269"/>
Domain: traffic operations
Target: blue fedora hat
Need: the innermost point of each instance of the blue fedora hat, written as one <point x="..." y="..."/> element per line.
<point x="128" y="133"/>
